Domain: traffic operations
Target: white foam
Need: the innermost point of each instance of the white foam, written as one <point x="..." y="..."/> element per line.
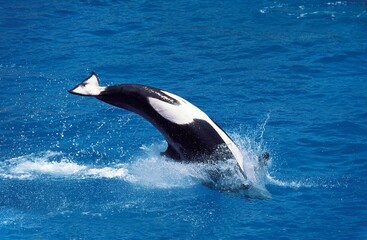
<point x="152" y="170"/>
<point x="251" y="151"/>
<point x="44" y="164"/>
<point x="107" y="172"/>
<point x="62" y="168"/>
<point x="157" y="172"/>
<point x="290" y="184"/>
<point x="306" y="183"/>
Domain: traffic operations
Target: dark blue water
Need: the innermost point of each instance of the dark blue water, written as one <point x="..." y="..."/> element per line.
<point x="287" y="77"/>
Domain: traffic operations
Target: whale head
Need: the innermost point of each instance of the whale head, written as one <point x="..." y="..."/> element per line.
<point x="89" y="87"/>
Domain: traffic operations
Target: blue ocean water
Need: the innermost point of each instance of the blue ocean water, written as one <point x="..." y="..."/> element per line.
<point x="287" y="77"/>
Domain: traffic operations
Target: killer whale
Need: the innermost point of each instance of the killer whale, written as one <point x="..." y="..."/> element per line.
<point x="192" y="136"/>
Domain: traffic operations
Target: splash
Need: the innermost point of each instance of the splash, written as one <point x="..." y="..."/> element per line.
<point x="55" y="165"/>
<point x="252" y="145"/>
<point x="152" y="170"/>
<point x="310" y="182"/>
<point x="156" y="172"/>
<point x="148" y="170"/>
<point x="295" y="184"/>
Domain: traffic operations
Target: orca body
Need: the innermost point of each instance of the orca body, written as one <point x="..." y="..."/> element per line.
<point x="191" y="135"/>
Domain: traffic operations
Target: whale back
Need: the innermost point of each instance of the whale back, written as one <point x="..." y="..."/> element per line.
<point x="190" y="133"/>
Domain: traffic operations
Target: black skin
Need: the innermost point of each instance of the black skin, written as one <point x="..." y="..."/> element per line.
<point x="265" y="156"/>
<point x="197" y="141"/>
<point x="194" y="142"/>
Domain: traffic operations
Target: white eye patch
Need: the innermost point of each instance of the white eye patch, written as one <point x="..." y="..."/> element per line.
<point x="181" y="113"/>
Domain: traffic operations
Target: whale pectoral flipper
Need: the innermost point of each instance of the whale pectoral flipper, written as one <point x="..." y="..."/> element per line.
<point x="171" y="153"/>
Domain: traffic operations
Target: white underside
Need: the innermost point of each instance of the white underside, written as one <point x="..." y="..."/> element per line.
<point x="185" y="113"/>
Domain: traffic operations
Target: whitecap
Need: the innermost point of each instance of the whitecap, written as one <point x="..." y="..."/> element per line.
<point x="54" y="164"/>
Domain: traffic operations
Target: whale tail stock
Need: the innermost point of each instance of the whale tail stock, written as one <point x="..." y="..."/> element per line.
<point x="89" y="87"/>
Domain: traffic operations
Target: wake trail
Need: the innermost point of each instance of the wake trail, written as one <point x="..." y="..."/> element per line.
<point x="155" y="171"/>
<point x="150" y="170"/>
<point x="56" y="165"/>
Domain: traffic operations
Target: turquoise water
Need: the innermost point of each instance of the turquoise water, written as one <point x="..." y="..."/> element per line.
<point x="287" y="77"/>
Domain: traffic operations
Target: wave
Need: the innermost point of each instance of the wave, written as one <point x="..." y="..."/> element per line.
<point x="343" y="182"/>
<point x="326" y="10"/>
<point x="295" y="184"/>
<point x="56" y="165"/>
<point x="155" y="171"/>
<point x="150" y="170"/>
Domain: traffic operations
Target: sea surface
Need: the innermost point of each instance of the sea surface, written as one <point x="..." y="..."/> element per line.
<point x="288" y="77"/>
